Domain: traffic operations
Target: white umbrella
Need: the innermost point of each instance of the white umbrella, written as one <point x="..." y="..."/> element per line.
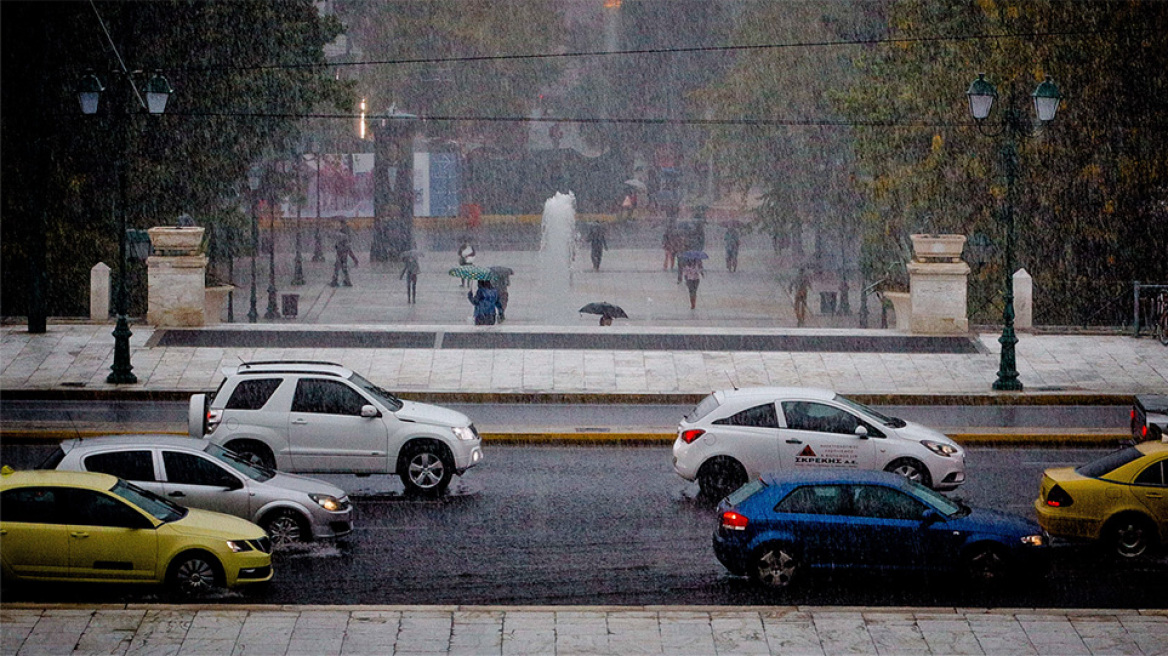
<point x="633" y="182"/>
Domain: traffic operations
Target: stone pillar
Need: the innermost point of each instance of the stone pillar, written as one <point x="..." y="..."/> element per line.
<point x="176" y="276"/>
<point x="937" y="284"/>
<point x="99" y="293"/>
<point x="1023" y="300"/>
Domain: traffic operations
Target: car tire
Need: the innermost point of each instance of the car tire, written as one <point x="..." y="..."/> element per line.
<point x="1129" y="536"/>
<point x="286" y="526"/>
<point x="426" y="468"/>
<point x="720" y="476"/>
<point x="775" y="566"/>
<point x="912" y="469"/>
<point x="194" y="573"/>
<point x="986" y="565"/>
<point x="254" y="452"/>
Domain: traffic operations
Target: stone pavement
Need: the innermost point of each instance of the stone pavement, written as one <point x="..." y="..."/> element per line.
<point x="77" y="357"/>
<point x="584" y="631"/>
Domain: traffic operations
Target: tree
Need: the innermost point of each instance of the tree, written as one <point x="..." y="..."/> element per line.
<point x="1090" y="216"/>
<point x="392" y="32"/>
<point x="243" y="73"/>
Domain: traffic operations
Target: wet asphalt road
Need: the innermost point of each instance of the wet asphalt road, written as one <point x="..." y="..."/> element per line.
<point x="615" y="525"/>
<point x="172" y="415"/>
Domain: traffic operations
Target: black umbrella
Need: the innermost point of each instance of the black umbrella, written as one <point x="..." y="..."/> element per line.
<point x="604" y="309"/>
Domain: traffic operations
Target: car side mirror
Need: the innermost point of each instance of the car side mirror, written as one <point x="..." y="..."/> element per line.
<point x="930" y="517"/>
<point x="862" y="432"/>
<point x="368" y="411"/>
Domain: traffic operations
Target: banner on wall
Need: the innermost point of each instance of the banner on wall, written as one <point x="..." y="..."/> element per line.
<point x="342" y="185"/>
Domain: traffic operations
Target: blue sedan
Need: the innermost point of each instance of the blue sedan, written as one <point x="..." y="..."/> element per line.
<point x="779" y="525"/>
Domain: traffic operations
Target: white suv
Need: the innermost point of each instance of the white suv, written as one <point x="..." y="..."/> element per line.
<point x="319" y="417"/>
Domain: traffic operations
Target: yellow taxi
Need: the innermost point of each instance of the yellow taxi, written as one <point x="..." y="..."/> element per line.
<point x="1120" y="498"/>
<point x="80" y="526"/>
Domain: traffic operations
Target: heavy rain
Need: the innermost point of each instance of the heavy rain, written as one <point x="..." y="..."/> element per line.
<point x="547" y="287"/>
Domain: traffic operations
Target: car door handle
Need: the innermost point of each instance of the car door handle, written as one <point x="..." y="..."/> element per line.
<point x="793" y="440"/>
<point x="1154" y="495"/>
<point x="299" y="422"/>
<point x="176" y="494"/>
<point x="79" y="534"/>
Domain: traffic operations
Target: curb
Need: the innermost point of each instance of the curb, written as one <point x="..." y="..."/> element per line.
<point x="609" y="398"/>
<point x="1069" y="438"/>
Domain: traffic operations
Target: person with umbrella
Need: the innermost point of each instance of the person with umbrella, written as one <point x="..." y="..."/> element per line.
<point x="606" y="310"/>
<point x="599" y="244"/>
<point x="485" y="302"/>
<point x="692" y="272"/>
<point x="410" y="270"/>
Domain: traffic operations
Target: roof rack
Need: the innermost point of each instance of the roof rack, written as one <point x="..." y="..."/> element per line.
<point x="269" y="362"/>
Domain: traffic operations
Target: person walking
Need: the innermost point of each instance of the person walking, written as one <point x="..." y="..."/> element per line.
<point x="502" y="286"/>
<point x="466" y="255"/>
<point x="599" y="244"/>
<point x="486" y="303"/>
<point x="731" y="240"/>
<point x="673" y="244"/>
<point x="692" y="272"/>
<point x="800" y="287"/>
<point x="410" y="270"/>
<point x="344" y="251"/>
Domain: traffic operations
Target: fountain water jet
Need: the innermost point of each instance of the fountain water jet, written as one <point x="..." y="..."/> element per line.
<point x="557" y="255"/>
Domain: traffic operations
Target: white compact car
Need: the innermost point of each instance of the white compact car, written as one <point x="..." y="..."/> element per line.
<point x="735" y="435"/>
<point x="319" y="417"/>
<point x="198" y="474"/>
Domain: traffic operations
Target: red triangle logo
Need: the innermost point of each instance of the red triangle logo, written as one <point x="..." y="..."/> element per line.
<point x="807" y="452"/>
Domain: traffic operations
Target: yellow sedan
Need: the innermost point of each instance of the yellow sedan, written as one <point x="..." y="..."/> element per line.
<point x="78" y="526"/>
<point x="1121" y="499"/>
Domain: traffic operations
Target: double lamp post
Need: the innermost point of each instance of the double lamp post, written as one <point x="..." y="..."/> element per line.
<point x="150" y="99"/>
<point x="1015" y="127"/>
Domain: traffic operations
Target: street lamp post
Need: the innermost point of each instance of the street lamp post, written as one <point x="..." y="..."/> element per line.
<point x="317" y="248"/>
<point x="1015" y="127"/>
<point x="253" y="181"/>
<point x="157" y="91"/>
<point x="271" y="312"/>
<point x="298" y="270"/>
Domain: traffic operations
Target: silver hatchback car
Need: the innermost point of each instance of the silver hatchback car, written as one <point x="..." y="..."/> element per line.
<point x="198" y="474"/>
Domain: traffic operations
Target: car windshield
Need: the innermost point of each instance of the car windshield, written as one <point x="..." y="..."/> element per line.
<point x="705" y="407"/>
<point x="1100" y="467"/>
<point x="392" y="402"/>
<point x="161" y="509"/>
<point x="940" y="502"/>
<point x="891" y="422"/>
<point x="235" y="461"/>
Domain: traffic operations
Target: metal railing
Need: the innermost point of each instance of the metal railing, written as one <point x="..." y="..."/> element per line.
<point x="1145" y="313"/>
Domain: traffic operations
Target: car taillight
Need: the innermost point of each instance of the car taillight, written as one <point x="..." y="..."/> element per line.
<point x="213" y="419"/>
<point x="1143" y="431"/>
<point x="692" y="434"/>
<point x="732" y="521"/>
<point x="1058" y="498"/>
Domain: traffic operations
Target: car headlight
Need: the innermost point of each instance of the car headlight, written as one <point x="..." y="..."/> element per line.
<point x="1034" y="540"/>
<point x="326" y="501"/>
<point x="465" y="432"/>
<point x="238" y="546"/>
<point x="941" y="448"/>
